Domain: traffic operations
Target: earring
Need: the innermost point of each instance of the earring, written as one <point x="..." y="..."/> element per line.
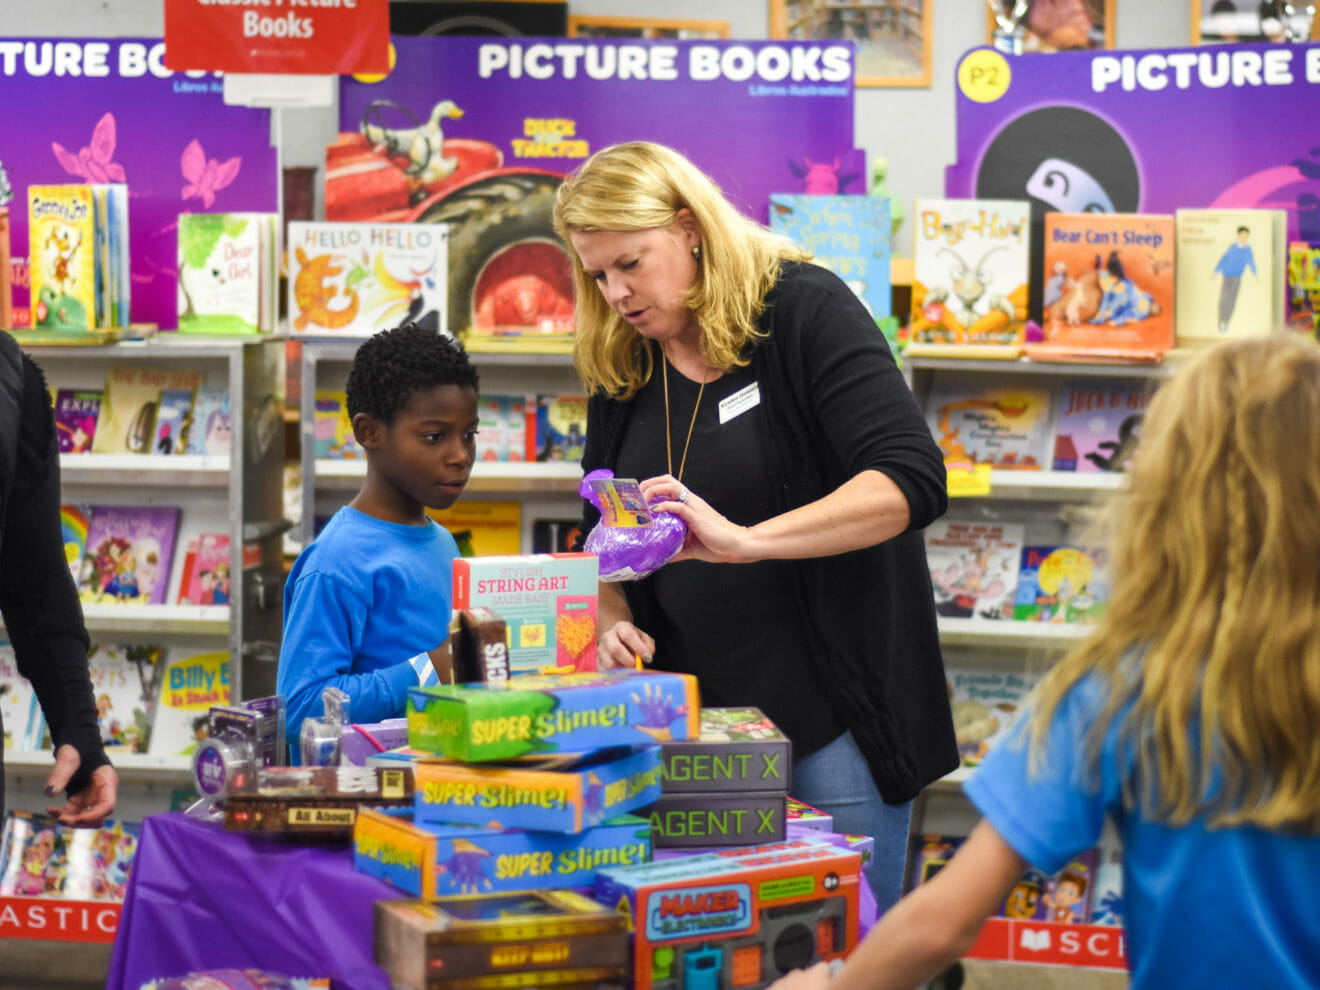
<point x="696" y="250"/>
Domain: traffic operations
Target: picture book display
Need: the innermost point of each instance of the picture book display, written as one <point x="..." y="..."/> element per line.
<point x="1061" y="584"/>
<point x="483" y="527"/>
<point x="206" y="571"/>
<point x="130" y="402"/>
<point x="1304" y="286"/>
<point x="1231" y="274"/>
<point x="332" y="428"/>
<point x="974" y="567"/>
<point x="19" y="709"/>
<point x="39" y="857"/>
<point x="128" y="554"/>
<point x="123" y="678"/>
<point x="228" y="272"/>
<point x="1098" y="424"/>
<point x="847" y="234"/>
<point x="970" y="277"/>
<point x="1108" y="291"/>
<point x="78" y="256"/>
<point x="984" y="703"/>
<point x="208" y="430"/>
<point x="76" y="412"/>
<point x="1004" y="426"/>
<point x="187" y="688"/>
<point x="353" y="279"/>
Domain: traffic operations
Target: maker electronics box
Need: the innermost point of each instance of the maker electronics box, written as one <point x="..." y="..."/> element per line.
<point x="741" y="918"/>
<point x="553" y="938"/>
<point x="737" y="749"/>
<point x="431" y="860"/>
<point x="560" y="713"/>
<point x="548" y="601"/>
<point x="554" y="794"/>
<point x="741" y="818"/>
<point x="799" y="813"/>
<point x="312" y="800"/>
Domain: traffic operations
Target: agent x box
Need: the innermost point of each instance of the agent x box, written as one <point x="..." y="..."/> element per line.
<point x="740" y="918"/>
<point x="551" y="938"/>
<point x="553" y="794"/>
<point x="743" y="818"/>
<point x="568" y="713"/>
<point x="547" y="600"/>
<point x="431" y="860"/>
<point x="312" y="800"/>
<point x="737" y="749"/>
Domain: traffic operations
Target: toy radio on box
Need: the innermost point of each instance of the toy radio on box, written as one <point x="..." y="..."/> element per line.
<point x="569" y="713"/>
<point x="312" y="800"/>
<point x="552" y="938"/>
<point x="737" y="749"/>
<point x="432" y="860"/>
<point x="556" y="795"/>
<point x="548" y="601"/>
<point x="239" y="738"/>
<point x="736" y="919"/>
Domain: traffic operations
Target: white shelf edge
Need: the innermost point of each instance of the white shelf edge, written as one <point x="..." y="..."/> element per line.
<point x="518" y="470"/>
<point x="1008" y="632"/>
<point x="1004" y="480"/>
<point x="136" y="763"/>
<point x="209" y="619"/>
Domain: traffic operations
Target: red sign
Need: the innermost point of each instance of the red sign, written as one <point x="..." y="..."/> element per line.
<point x="54" y="920"/>
<point x="1050" y="944"/>
<point x="278" y="37"/>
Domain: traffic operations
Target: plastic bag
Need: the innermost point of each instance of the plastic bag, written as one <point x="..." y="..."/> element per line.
<point x="631" y="540"/>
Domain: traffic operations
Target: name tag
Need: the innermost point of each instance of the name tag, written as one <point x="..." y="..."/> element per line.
<point x="739" y="402"/>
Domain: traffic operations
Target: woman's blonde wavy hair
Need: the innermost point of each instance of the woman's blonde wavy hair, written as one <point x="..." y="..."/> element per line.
<point x="640" y="186"/>
<point x="1215" y="549"/>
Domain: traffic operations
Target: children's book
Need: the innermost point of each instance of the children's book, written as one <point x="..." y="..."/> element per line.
<point x="208" y="429"/>
<point x="73" y="526"/>
<point x="929" y="853"/>
<point x="188" y="687"/>
<point x="506" y="428"/>
<point x="974" y="567"/>
<point x="129" y="405"/>
<point x="39" y="857"/>
<point x="76" y="411"/>
<point x="353" y="279"/>
<point x="1098" y="424"/>
<point x="1108" y="288"/>
<point x="561" y="427"/>
<point x="227" y="272"/>
<point x="1231" y="276"/>
<point x="850" y="235"/>
<point x="128" y="554"/>
<point x="1004" y="426"/>
<point x="1304" y="287"/>
<point x="971" y="267"/>
<point x="173" y="421"/>
<point x="206" y="571"/>
<point x="333" y="429"/>
<point x="1061" y="584"/>
<point x="18" y="704"/>
<point x="483" y="527"/>
<point x="62" y="253"/>
<point x="984" y="702"/>
<point x="122" y="678"/>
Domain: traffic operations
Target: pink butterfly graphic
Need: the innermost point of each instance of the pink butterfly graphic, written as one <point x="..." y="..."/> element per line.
<point x="93" y="162"/>
<point x="205" y="175"/>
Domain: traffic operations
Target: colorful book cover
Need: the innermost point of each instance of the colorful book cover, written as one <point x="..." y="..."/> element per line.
<point x="506" y="428"/>
<point x="1304" y="286"/>
<point x="984" y="702"/>
<point x="1108" y="287"/>
<point x="930" y="852"/>
<point x="1098" y="425"/>
<point x="122" y="677"/>
<point x="76" y="411"/>
<point x="971" y="267"/>
<point x="1231" y="274"/>
<point x="73" y="526"/>
<point x="849" y="235"/>
<point x="128" y="554"/>
<point x="1061" y="584"/>
<point x="1063" y="898"/>
<point x="173" y="420"/>
<point x="208" y="430"/>
<point x="206" y="573"/>
<point x="1004" y="426"/>
<point x="561" y="427"/>
<point x="188" y="687"/>
<point x="129" y="404"/>
<point x="39" y="857"/>
<point x="19" y="710"/>
<point x="353" y="279"/>
<point x="483" y="527"/>
<point x="222" y="265"/>
<point x="333" y="429"/>
<point x="974" y="567"/>
<point x="62" y="256"/>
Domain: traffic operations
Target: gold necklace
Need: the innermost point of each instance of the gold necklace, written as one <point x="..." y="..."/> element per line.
<point x="669" y="444"/>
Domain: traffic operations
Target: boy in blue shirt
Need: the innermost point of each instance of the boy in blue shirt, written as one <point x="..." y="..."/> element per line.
<point x="370" y="598"/>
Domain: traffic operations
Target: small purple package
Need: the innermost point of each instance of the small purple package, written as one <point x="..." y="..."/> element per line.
<point x="632" y="540"/>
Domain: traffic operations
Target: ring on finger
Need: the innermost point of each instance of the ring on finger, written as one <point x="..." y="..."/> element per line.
<point x="683" y="493"/>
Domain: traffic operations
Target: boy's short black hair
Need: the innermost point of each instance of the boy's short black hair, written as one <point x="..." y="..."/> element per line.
<point x="390" y="366"/>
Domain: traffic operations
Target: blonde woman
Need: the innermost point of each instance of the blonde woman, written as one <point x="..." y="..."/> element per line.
<point x="1189" y="716"/>
<point x="751" y="393"/>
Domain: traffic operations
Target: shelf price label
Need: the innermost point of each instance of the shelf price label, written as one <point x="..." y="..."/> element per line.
<point x="968" y="480"/>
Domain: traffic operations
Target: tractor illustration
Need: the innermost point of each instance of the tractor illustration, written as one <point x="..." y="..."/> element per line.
<point x="507" y="270"/>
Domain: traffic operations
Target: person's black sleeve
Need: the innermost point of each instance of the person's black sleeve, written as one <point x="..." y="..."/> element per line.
<point x="38" y="598"/>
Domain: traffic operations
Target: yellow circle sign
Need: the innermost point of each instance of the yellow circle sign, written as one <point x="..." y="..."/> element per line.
<point x="984" y="75"/>
<point x="367" y="77"/>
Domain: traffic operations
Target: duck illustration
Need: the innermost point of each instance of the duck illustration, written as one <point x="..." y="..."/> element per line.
<point x="421" y="145"/>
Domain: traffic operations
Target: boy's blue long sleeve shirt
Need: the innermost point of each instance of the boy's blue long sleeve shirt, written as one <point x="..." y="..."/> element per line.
<point x="361" y="600"/>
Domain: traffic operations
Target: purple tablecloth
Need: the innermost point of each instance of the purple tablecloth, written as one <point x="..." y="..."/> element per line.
<point x="203" y="898"/>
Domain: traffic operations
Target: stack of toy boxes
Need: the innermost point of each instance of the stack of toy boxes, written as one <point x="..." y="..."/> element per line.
<point x="727" y="787"/>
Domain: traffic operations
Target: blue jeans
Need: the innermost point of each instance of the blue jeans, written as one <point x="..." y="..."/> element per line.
<point x="838" y="781"/>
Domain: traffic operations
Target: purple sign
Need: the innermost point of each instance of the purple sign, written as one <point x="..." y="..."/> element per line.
<point x="107" y="110"/>
<point x="1146" y="131"/>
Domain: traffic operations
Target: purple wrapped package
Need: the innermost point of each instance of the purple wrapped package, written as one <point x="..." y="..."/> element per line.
<point x="632" y="540"/>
